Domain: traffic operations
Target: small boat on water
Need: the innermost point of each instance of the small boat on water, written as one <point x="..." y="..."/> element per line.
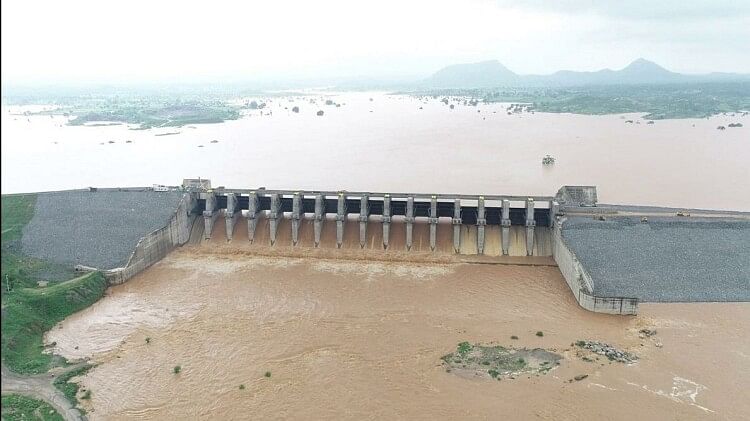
<point x="548" y="160"/>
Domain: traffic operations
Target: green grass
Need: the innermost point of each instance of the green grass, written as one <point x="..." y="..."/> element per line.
<point x="70" y="389"/>
<point x="464" y="348"/>
<point x="17" y="211"/>
<point x="17" y="407"/>
<point x="29" y="310"/>
<point x="18" y="270"/>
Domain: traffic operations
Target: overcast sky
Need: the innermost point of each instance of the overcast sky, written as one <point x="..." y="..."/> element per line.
<point x="52" y="41"/>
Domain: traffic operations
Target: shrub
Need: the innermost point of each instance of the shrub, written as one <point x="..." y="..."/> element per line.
<point x="177" y="369"/>
<point x="540" y="333"/>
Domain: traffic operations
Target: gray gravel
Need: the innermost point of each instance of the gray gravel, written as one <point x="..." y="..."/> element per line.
<point x="97" y="229"/>
<point x="667" y="259"/>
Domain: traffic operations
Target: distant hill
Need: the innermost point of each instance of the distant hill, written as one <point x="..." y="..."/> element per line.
<point x="478" y="75"/>
<point x="494" y="74"/>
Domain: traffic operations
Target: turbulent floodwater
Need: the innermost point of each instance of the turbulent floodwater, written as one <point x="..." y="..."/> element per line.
<point x="390" y="144"/>
<point x="347" y="340"/>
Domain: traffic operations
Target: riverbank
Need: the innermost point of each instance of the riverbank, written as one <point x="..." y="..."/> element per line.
<point x="34" y="299"/>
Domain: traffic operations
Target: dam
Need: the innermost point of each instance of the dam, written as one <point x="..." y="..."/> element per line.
<point x="491" y="219"/>
<point x="612" y="257"/>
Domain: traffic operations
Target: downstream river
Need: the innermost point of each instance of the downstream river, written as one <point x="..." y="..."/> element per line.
<point x="349" y="340"/>
<point x="396" y="143"/>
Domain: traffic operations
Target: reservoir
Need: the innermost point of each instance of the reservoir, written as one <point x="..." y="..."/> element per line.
<point x="395" y="143"/>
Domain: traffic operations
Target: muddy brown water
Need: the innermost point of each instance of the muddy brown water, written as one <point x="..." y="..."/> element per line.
<point x="363" y="340"/>
<point x="390" y="144"/>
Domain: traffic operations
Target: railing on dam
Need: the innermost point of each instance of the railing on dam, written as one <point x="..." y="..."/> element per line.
<point x="475" y="210"/>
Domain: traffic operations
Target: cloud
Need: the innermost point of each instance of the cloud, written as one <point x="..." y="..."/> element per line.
<point x="179" y="40"/>
<point x="665" y="10"/>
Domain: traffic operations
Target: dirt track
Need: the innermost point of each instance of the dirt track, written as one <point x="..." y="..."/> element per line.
<point x="40" y="387"/>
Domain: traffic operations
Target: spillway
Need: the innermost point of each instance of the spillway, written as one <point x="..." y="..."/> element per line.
<point x="491" y="225"/>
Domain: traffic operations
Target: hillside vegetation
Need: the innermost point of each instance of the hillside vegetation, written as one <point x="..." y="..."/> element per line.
<point x="656" y="101"/>
<point x="28" y="309"/>
<point x="17" y="407"/>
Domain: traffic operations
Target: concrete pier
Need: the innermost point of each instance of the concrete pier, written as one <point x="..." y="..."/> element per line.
<point x="320" y="216"/>
<point x="481" y="222"/>
<point x="364" y="212"/>
<point x="409" y="219"/>
<point x="252" y="215"/>
<point x="296" y="217"/>
<point x="457" y="221"/>
<point x="505" y="224"/>
<point x="230" y="215"/>
<point x="210" y="214"/>
<point x="482" y="215"/>
<point x="340" y="219"/>
<point x="554" y="209"/>
<point x="433" y="220"/>
<point x="386" y="220"/>
<point x="530" y="224"/>
<point x="273" y="216"/>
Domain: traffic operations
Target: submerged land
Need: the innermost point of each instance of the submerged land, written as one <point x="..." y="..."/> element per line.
<point x="655" y="102"/>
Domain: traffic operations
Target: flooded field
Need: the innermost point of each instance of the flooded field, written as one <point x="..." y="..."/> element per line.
<point x="395" y="143"/>
<point x="280" y="337"/>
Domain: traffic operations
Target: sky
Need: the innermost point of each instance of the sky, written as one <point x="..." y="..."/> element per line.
<point x="82" y="41"/>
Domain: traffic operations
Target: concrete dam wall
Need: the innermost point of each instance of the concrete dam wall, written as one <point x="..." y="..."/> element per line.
<point x="358" y="225"/>
<point x="373" y="243"/>
<point x="582" y="285"/>
<point x="98" y="227"/>
<point x="461" y="224"/>
<point x="158" y="243"/>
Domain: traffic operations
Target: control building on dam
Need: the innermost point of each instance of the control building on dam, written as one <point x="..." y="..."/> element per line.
<point x="464" y="224"/>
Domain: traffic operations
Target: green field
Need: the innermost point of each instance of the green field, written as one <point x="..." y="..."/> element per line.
<point x="17" y="407"/>
<point x="655" y="101"/>
<point x="148" y="114"/>
<point x="29" y="310"/>
<point x="70" y="389"/>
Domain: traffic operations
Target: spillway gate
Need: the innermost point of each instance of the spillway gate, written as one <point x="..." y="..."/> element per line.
<point x="460" y="210"/>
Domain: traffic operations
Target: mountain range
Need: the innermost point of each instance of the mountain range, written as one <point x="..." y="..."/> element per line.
<point x="493" y="74"/>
